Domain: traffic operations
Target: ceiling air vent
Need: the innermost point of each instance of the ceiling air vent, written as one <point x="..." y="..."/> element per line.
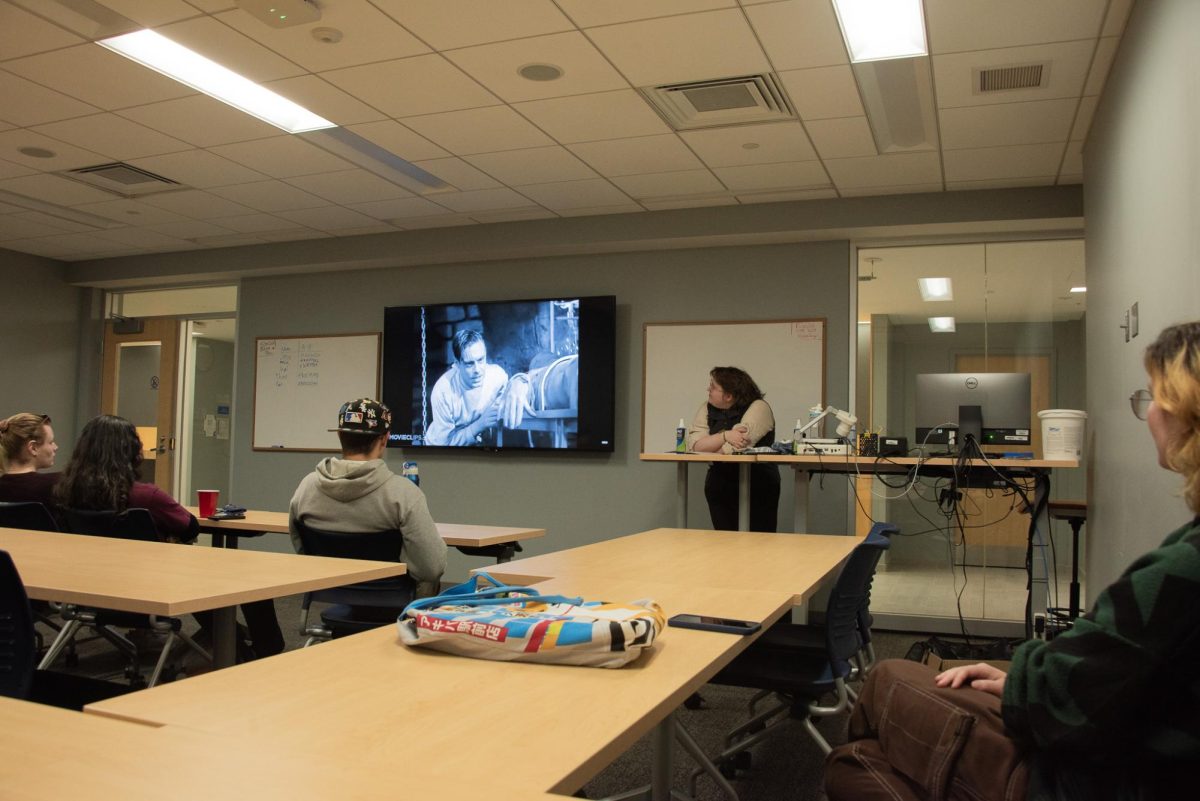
<point x="727" y="101"/>
<point x="123" y="179"/>
<point x="1004" y="79"/>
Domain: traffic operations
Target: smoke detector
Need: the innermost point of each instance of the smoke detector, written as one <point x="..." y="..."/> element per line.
<point x="281" y="13"/>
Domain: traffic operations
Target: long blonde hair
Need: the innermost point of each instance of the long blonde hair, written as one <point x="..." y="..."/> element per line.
<point x="1173" y="364"/>
<point x="18" y="430"/>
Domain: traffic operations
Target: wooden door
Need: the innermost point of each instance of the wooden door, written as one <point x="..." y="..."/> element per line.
<point x="138" y="382"/>
<point x="1005" y="540"/>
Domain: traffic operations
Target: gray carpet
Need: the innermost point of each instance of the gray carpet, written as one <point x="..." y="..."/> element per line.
<point x="786" y="767"/>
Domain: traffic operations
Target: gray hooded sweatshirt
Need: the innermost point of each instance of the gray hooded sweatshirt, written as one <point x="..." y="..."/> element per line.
<point x="354" y="496"/>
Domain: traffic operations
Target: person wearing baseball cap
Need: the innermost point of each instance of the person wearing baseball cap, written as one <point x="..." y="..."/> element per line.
<point x="356" y="492"/>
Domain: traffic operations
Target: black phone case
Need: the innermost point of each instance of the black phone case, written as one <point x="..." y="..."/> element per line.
<point x="680" y="623"/>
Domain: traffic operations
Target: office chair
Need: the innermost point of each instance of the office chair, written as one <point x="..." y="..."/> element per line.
<point x="356" y="607"/>
<point x="18" y="677"/>
<point x="32" y="515"/>
<point x="132" y="524"/>
<point x="784" y="662"/>
<point x="501" y="551"/>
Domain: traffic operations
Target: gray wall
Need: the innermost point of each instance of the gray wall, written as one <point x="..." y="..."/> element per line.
<point x="579" y="498"/>
<point x="1142" y="169"/>
<point x="40" y="330"/>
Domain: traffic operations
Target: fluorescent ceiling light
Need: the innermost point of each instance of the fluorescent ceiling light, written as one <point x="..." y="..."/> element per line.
<point x="1079" y="289"/>
<point x="880" y="29"/>
<point x="935" y="289"/>
<point x="175" y="61"/>
<point x="941" y="325"/>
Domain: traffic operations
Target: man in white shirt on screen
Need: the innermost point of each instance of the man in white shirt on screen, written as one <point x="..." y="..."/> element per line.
<point x="466" y="399"/>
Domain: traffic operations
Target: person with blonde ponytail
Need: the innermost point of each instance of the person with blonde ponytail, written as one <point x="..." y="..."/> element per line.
<point x="26" y="446"/>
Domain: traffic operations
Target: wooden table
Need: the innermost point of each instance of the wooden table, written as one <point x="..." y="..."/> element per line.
<point x="458" y="535"/>
<point x="167" y="579"/>
<point x="368" y="702"/>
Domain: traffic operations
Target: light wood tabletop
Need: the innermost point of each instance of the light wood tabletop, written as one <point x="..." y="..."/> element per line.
<point x="792" y="563"/>
<point x="364" y="700"/>
<point x="161" y="578"/>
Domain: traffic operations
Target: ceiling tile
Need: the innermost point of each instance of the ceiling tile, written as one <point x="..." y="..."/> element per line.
<point x="23" y="34"/>
<point x="588" y="13"/>
<point x="197" y="204"/>
<point x="692" y="47"/>
<point x="496" y="66"/>
<point x="479" y="130"/>
<point x="201" y="121"/>
<point x="665" y="204"/>
<point x="587" y="118"/>
<point x="1114" y="20"/>
<point x="270" y="196"/>
<point x="409" y="86"/>
<point x="955" y="26"/>
<point x="576" y="194"/>
<point x="190" y="229"/>
<point x="785" y="197"/>
<point x="350" y="186"/>
<point x="198" y="168"/>
<point x="323" y="98"/>
<point x="51" y="248"/>
<point x="536" y="165"/>
<point x="56" y="223"/>
<point x="459" y="174"/>
<point x="10" y="170"/>
<point x="1083" y="117"/>
<point x="231" y="49"/>
<point x="661" y="153"/>
<point x="254" y="223"/>
<point x="1106" y="50"/>
<point x="482" y="200"/>
<point x="151" y="13"/>
<point x="999" y="183"/>
<point x="1072" y="163"/>
<point x="823" y="93"/>
<point x="1007" y="124"/>
<point x="513" y="215"/>
<point x="143" y="238"/>
<point x="16" y="226"/>
<point x="101" y="77"/>
<point x="789" y="175"/>
<point x="1022" y="161"/>
<point x="751" y="144"/>
<point x="899" y="189"/>
<point x="282" y="157"/>
<point x="112" y="136"/>
<point x="595" y="211"/>
<point x="293" y="235"/>
<point x="53" y="189"/>
<point x="26" y="103"/>
<point x="658" y="184"/>
<point x="367" y="35"/>
<point x="90" y="244"/>
<point x="330" y="218"/>
<point x="842" y="138"/>
<point x="395" y="138"/>
<point x="799" y="33"/>
<point x="131" y="212"/>
<point x="892" y="170"/>
<point x="952" y="74"/>
<point x="447" y="24"/>
<point x="398" y="208"/>
<point x="436" y="221"/>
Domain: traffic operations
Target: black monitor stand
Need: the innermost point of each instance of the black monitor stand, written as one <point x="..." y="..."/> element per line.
<point x="970" y="429"/>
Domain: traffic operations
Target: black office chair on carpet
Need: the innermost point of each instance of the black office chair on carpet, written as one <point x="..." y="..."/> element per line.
<point x="786" y="664"/>
<point x="32" y="515"/>
<point x="355" y="607"/>
<point x="132" y="524"/>
<point x="18" y="654"/>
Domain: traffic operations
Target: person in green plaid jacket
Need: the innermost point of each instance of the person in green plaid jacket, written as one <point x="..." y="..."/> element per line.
<point x="1108" y="709"/>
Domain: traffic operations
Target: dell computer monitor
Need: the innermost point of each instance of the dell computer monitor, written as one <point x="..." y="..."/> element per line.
<point x="948" y="401"/>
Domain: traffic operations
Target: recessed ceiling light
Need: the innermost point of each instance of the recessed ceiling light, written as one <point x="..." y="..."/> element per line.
<point x="37" y="152"/>
<point x="941" y="325"/>
<point x="1079" y="289"/>
<point x="875" y="30"/>
<point x="160" y="54"/>
<point x="935" y="289"/>
<point x="540" y="72"/>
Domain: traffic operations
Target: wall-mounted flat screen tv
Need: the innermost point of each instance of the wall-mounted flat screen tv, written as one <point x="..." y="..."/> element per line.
<point x="528" y="374"/>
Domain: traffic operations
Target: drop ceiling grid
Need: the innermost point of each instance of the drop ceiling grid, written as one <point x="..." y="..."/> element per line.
<point x="434" y="82"/>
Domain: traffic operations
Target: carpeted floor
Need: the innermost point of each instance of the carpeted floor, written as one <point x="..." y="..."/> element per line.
<point x="786" y="767"/>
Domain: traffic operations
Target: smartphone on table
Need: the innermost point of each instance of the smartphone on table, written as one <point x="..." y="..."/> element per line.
<point x="727" y="625"/>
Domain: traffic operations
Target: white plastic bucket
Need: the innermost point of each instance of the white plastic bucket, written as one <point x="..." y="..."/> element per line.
<point x="1062" y="433"/>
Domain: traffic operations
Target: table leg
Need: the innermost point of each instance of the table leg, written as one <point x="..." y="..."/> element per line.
<point x="681" y="495"/>
<point x="218" y="539"/>
<point x="661" y="770"/>
<point x="224" y="637"/>
<point x="1039" y="581"/>
<point x="800" y="504"/>
<point x="744" y="496"/>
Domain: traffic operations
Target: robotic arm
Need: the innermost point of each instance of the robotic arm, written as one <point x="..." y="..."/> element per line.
<point x="846" y="422"/>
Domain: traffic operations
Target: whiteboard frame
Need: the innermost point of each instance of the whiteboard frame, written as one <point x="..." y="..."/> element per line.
<point x="378" y="337"/>
<point x="702" y="373"/>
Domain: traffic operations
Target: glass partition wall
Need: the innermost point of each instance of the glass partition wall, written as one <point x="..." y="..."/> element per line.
<point x="1002" y="307"/>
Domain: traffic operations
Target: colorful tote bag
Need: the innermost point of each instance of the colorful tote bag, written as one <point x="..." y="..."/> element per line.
<point x="487" y="620"/>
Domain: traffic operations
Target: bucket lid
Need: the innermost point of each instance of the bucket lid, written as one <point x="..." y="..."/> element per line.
<point x="1061" y="413"/>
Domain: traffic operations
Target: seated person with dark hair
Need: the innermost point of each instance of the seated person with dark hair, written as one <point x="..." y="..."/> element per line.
<point x="357" y="493"/>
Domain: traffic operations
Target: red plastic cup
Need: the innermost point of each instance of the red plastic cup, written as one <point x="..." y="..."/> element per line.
<point x="208" y="502"/>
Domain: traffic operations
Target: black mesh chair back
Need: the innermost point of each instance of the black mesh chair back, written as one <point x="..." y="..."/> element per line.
<point x="28" y="515"/>
<point x="849" y="602"/>
<point x="361" y="606"/>
<point x="17" y="657"/>
<point x="132" y="524"/>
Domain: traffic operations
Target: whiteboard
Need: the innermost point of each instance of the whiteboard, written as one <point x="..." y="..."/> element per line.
<point x="301" y="382"/>
<point x="786" y="358"/>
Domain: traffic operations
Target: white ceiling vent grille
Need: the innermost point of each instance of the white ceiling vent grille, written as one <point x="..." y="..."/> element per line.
<point x="123" y="179"/>
<point x="727" y="101"/>
<point x="1004" y="79"/>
